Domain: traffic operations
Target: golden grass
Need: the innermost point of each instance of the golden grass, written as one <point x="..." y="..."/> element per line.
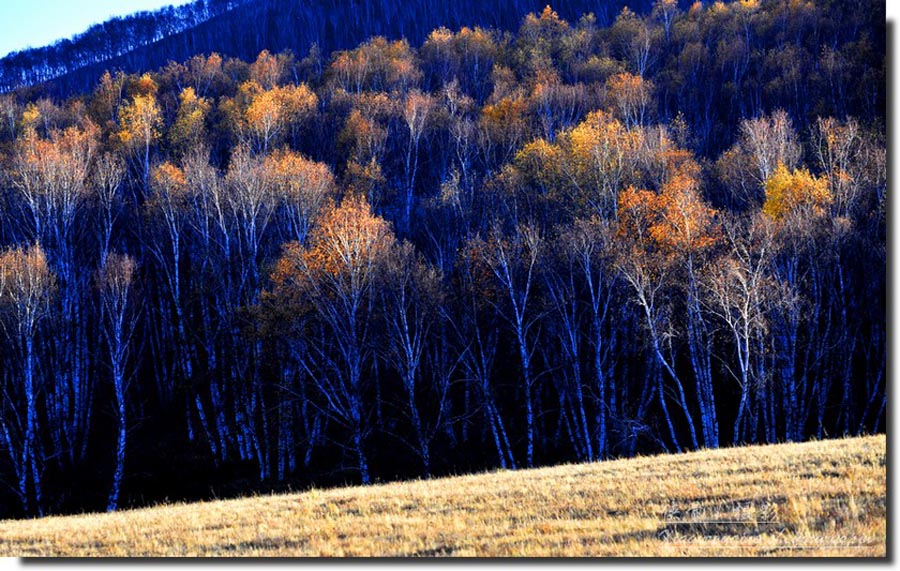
<point x="812" y="499"/>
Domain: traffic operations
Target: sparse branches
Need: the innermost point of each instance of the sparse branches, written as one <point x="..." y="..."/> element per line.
<point x="116" y="283"/>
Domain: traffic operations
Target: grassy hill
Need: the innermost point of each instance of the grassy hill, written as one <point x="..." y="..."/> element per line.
<point x="811" y="499"/>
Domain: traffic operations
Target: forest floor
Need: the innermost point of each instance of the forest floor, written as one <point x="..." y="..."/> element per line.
<point x="813" y="499"/>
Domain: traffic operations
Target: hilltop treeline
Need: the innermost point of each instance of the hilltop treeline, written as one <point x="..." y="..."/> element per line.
<point x="570" y="243"/>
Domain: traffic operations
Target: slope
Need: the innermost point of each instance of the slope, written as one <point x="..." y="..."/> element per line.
<point x="811" y="499"/>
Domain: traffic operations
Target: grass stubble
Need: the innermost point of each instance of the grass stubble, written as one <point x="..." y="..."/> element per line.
<point x="813" y="499"/>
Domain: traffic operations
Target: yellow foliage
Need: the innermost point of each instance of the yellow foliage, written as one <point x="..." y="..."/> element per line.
<point x="268" y="112"/>
<point x="540" y="160"/>
<point x="798" y="192"/>
<point x="140" y="121"/>
<point x="30" y="117"/>
<point x="188" y="128"/>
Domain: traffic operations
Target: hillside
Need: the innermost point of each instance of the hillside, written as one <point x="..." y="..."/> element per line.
<point x="811" y="499"/>
<point x="242" y="28"/>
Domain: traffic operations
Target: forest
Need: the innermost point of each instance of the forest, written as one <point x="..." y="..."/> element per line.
<point x="582" y="239"/>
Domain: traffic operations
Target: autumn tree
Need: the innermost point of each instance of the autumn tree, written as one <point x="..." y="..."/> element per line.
<point x="642" y="230"/>
<point x="140" y="125"/>
<point x="645" y="261"/>
<point x="634" y="38"/>
<point x="108" y="176"/>
<point x="269" y="70"/>
<point x="205" y="74"/>
<point x="798" y="204"/>
<point x="685" y="232"/>
<point x="764" y="143"/>
<point x="475" y="329"/>
<point x="303" y="189"/>
<point x="841" y="151"/>
<point x="502" y="128"/>
<point x="26" y="287"/>
<point x="107" y="98"/>
<point x="251" y="203"/>
<point x="796" y="194"/>
<point x="631" y="97"/>
<point x="365" y="133"/>
<point x="665" y="11"/>
<point x="375" y="65"/>
<point x="273" y="112"/>
<point x="600" y="159"/>
<point x="9" y="115"/>
<point x="189" y="129"/>
<point x="337" y="273"/>
<point x="51" y="177"/>
<point x="580" y="286"/>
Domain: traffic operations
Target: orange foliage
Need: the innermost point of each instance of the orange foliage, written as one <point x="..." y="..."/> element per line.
<point x="56" y="169"/>
<point x="684" y="223"/>
<point x="268" y="70"/>
<point x="169" y="177"/>
<point x="364" y="130"/>
<point x="673" y="222"/>
<point x="169" y="190"/>
<point x="143" y="85"/>
<point x="26" y="284"/>
<point x="346" y="251"/>
<point x="349" y="240"/>
<point x="503" y="114"/>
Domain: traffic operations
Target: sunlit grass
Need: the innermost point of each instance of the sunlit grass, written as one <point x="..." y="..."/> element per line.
<point x="812" y="499"/>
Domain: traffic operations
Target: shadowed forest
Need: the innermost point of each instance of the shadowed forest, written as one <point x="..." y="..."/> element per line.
<point x="446" y="249"/>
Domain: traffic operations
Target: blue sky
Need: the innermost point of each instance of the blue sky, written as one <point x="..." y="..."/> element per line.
<point x="34" y="23"/>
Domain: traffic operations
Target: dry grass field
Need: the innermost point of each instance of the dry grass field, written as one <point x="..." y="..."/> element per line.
<point x="813" y="499"/>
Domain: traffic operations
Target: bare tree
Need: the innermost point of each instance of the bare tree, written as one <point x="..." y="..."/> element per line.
<point x="116" y="283"/>
<point x="416" y="111"/>
<point x="514" y="262"/>
<point x="740" y="291"/>
<point x="411" y="296"/>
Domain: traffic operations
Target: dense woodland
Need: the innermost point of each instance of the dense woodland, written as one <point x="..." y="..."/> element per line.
<point x="485" y="249"/>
